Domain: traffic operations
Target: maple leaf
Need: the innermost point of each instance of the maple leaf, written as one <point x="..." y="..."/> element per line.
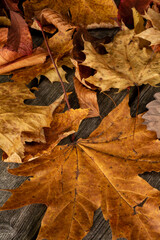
<point x="152" y="115"/>
<point x="21" y="122"/>
<point x="124" y="65"/>
<point x="103" y="171"/>
<point x="125" y="10"/>
<point x="62" y="125"/>
<point x="81" y="12"/>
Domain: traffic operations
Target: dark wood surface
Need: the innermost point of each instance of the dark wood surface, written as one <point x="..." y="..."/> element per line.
<point x="23" y="224"/>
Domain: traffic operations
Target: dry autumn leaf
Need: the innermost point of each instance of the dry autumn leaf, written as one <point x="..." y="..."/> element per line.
<point x="73" y="181"/>
<point x="3" y="36"/>
<point x="62" y="125"/>
<point x="61" y="42"/>
<point x="81" y="12"/>
<point x="125" y="9"/>
<point x="124" y="65"/>
<point x="152" y="116"/>
<point x="87" y="99"/>
<point x="19" y="41"/>
<point x="21" y="122"/>
<point x="60" y="45"/>
<point x="45" y="68"/>
<point x="153" y="17"/>
<point x="11" y="5"/>
<point x="152" y="34"/>
<point x="138" y="21"/>
<point x="37" y="57"/>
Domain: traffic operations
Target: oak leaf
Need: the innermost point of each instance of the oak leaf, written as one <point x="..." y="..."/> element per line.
<point x="103" y="171"/>
<point x="151" y="117"/>
<point x="124" y="65"/>
<point x="80" y="13"/>
<point x="20" y="122"/>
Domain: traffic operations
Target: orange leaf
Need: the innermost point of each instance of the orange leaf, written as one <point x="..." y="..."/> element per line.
<point x="87" y="99"/>
<point x="19" y="41"/>
<point x="73" y="181"/>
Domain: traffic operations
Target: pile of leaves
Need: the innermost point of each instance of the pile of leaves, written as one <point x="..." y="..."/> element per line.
<point x="102" y="170"/>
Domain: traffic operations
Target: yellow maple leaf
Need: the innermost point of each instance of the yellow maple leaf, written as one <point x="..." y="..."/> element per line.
<point x="124" y="65"/>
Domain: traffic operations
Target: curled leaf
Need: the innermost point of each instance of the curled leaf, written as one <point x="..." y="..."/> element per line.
<point x="37" y="57"/>
<point x="19" y="42"/>
<point x="87" y="99"/>
<point x="61" y="42"/>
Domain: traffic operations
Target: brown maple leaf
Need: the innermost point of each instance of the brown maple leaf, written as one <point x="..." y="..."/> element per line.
<point x="103" y="171"/>
<point x="20" y="122"/>
<point x="124" y="65"/>
<point x="78" y="12"/>
<point x="62" y="125"/>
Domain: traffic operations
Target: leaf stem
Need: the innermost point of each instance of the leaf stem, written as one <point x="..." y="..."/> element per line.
<point x="52" y="59"/>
